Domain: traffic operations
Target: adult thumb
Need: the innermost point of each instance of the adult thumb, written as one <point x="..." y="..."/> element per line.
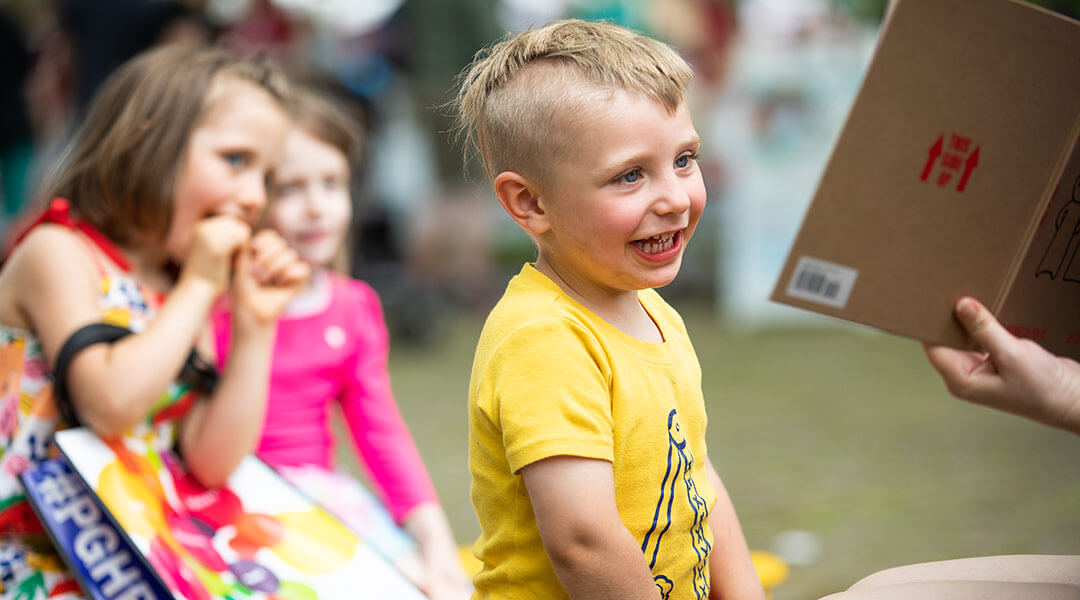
<point x="981" y="325"/>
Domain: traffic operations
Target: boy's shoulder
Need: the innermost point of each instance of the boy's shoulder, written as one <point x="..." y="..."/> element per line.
<point x="530" y="302"/>
<point x="530" y="295"/>
<point x="533" y="303"/>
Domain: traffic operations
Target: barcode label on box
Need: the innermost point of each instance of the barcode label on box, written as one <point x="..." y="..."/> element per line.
<point x="822" y="282"/>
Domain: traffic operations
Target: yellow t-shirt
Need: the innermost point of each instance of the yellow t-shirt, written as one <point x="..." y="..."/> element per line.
<point x="551" y="378"/>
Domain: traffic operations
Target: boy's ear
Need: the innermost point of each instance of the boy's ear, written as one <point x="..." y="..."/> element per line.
<point x="521" y="200"/>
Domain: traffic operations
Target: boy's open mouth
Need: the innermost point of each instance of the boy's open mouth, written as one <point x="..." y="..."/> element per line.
<point x="658" y="243"/>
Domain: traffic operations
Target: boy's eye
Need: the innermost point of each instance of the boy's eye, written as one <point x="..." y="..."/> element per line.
<point x="684" y="160"/>
<point x="630" y="176"/>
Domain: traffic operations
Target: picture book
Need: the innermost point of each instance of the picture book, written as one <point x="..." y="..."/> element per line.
<point x="256" y="538"/>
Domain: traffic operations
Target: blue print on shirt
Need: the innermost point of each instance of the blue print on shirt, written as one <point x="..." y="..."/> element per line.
<point x="680" y="463"/>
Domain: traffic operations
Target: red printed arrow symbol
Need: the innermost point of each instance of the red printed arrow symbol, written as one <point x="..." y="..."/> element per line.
<point x="969" y="166"/>
<point x="935" y="152"/>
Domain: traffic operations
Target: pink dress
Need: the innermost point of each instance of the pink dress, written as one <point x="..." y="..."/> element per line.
<point x="338" y="355"/>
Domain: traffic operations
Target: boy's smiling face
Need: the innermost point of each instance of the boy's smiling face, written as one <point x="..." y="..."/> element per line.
<point x="622" y="203"/>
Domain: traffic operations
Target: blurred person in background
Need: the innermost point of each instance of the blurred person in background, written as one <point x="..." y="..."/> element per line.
<point x="149" y="224"/>
<point x="331" y="348"/>
<point x="16" y="135"/>
<point x="56" y="56"/>
<point x="105" y="33"/>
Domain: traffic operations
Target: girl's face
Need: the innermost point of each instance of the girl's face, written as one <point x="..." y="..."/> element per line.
<point x="228" y="157"/>
<point x="310" y="205"/>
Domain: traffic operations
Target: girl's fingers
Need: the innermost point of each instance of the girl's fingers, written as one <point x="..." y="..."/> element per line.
<point x="297" y="273"/>
<point x="274" y="262"/>
<point x="269" y="267"/>
<point x="222" y="235"/>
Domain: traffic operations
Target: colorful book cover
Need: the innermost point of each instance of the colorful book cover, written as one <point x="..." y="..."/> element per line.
<point x="344" y="497"/>
<point x="258" y="538"/>
<point x="97" y="554"/>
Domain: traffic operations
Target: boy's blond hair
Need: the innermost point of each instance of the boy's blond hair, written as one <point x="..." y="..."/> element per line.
<point x="520" y="99"/>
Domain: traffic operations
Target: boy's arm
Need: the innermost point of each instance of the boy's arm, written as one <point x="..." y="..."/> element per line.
<point x="593" y="554"/>
<point x="731" y="571"/>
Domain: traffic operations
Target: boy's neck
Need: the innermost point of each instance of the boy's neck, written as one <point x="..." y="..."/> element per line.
<point x="621" y="308"/>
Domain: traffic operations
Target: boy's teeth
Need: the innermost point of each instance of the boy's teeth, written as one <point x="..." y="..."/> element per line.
<point x="657" y="243"/>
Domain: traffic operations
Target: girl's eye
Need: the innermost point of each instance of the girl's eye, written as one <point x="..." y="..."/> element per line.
<point x="630" y="176"/>
<point x="281" y="190"/>
<point x="236" y="159"/>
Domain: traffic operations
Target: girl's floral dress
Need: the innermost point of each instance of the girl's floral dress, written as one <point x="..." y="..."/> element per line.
<point x="29" y="567"/>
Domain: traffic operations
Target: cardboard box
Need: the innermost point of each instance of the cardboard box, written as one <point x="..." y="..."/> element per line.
<point x="956" y="173"/>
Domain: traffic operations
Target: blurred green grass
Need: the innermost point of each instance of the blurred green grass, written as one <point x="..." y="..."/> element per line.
<point x="832" y="429"/>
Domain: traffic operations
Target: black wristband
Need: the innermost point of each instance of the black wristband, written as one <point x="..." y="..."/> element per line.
<point x="87" y="335"/>
<point x="198" y="373"/>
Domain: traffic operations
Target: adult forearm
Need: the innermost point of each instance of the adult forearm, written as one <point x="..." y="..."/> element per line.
<point x="1056" y="401"/>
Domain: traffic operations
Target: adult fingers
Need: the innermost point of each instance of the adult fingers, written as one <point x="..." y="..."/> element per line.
<point x="959" y="369"/>
<point x="983" y="327"/>
<point x="944" y="359"/>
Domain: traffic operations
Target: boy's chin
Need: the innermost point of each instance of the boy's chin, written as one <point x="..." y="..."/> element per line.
<point x="663" y="283"/>
<point x="658" y="279"/>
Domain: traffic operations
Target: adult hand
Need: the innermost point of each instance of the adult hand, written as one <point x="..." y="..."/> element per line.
<point x="1009" y="373"/>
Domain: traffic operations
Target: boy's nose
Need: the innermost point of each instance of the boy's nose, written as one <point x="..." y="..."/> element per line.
<point x="672" y="197"/>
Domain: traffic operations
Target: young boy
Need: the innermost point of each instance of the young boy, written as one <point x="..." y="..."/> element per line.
<point x="590" y="476"/>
